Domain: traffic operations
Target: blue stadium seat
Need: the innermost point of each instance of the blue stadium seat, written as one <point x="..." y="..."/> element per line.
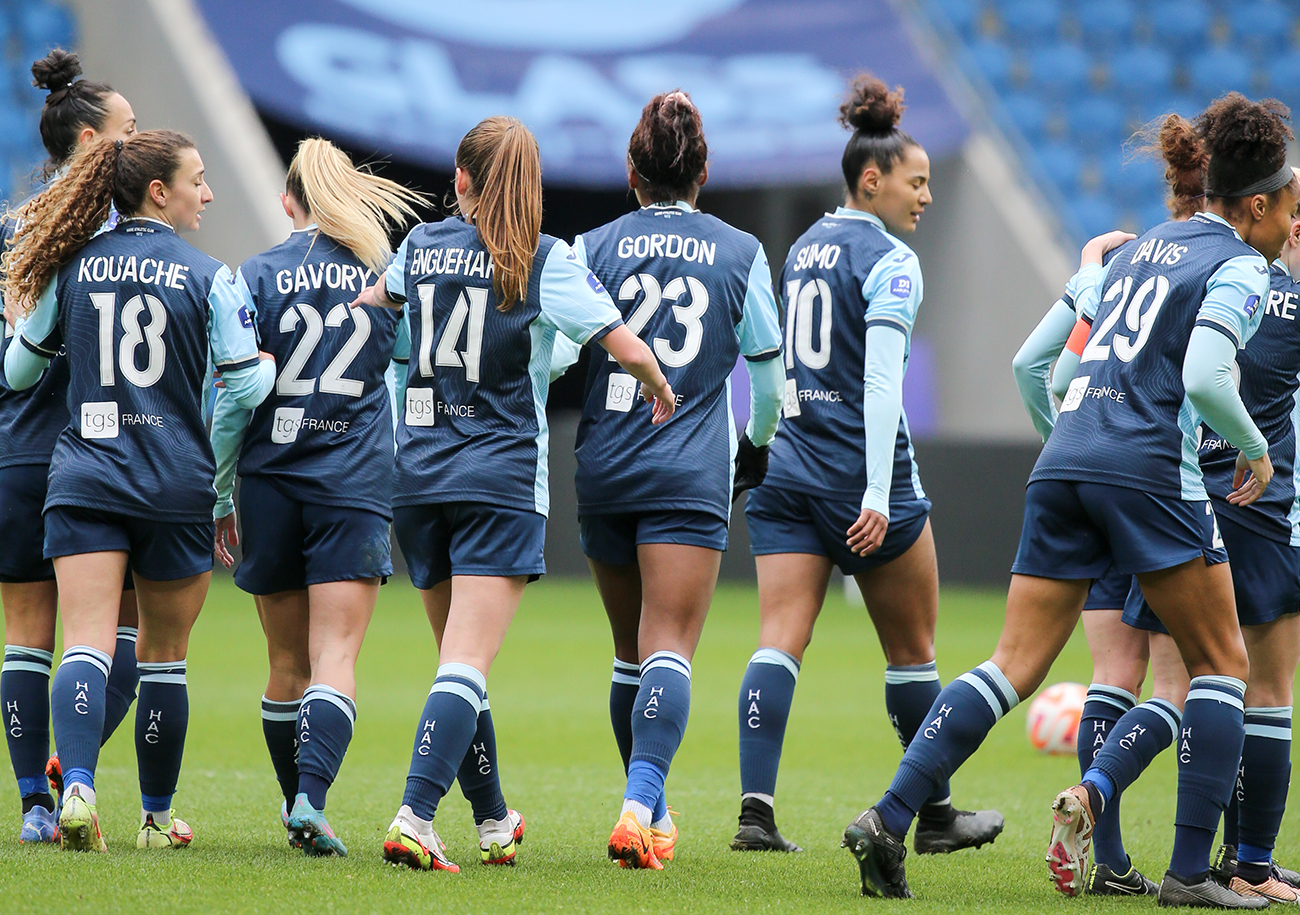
<point x="1097" y="121"/>
<point x="991" y="60"/>
<point x="1060" y="164"/>
<point x="1180" y="24"/>
<point x="1284" y="74"/>
<point x="1061" y="69"/>
<point x="1157" y="106"/>
<point x="962" y="15"/>
<point x="1220" y="70"/>
<point x="1261" y="26"/>
<point x="1027" y="114"/>
<point x="1031" y="19"/>
<point x="1130" y="176"/>
<point x="1106" y="23"/>
<point x="15" y="127"/>
<point x="44" y="25"/>
<point x="1139" y="71"/>
<point x="1093" y="214"/>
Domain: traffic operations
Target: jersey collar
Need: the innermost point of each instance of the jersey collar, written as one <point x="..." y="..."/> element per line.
<point x="1214" y="217"/>
<point x="309" y="228"/>
<point x="123" y="220"/>
<point x="678" y="205"/>
<point x="847" y="213"/>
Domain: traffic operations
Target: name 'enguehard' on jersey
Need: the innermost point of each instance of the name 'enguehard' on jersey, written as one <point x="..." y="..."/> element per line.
<point x="1125" y="419"/>
<point x="843" y="275"/>
<point x="473" y="422"/>
<point x="699" y="292"/>
<point x="1269" y="367"/>
<point x="143" y="315"/>
<point x="325" y="433"/>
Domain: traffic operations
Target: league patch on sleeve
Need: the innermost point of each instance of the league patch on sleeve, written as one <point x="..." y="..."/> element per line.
<point x="596" y="286"/>
<point x="246" y="319"/>
<point x="901" y="286"/>
<point x="1252" y="302"/>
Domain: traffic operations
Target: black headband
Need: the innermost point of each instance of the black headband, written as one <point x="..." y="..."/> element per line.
<point x="1276" y="181"/>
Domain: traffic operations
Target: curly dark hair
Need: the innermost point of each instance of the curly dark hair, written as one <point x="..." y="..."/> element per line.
<point x="1246" y="141"/>
<point x="872" y="111"/>
<point x="1174" y="140"/>
<point x="667" y="147"/>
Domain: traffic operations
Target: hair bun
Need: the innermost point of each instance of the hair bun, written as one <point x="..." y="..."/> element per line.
<point x="871" y="107"/>
<point x="56" y="70"/>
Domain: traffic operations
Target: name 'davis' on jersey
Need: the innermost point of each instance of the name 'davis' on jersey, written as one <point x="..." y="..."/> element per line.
<point x="684" y="248"/>
<point x="1157" y="251"/>
<point x="315" y="276"/>
<point x="124" y="268"/>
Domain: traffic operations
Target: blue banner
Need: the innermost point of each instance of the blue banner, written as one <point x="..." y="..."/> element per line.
<point x="409" y="77"/>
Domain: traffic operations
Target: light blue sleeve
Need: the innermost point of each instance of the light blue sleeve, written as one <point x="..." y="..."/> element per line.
<point x="1063" y="374"/>
<point x="564" y="352"/>
<point x="395" y="275"/>
<point x="766" y="395"/>
<point x="1234" y="299"/>
<point x="28" y="354"/>
<point x="1087" y="290"/>
<point x="893" y="290"/>
<point x="1032" y="365"/>
<point x="572" y="300"/>
<point x="233" y="340"/>
<point x="882" y="405"/>
<point x="1207" y="379"/>
<point x="759" y="330"/>
<point x="396" y="373"/>
<point x="580" y="249"/>
<point x="229" y="423"/>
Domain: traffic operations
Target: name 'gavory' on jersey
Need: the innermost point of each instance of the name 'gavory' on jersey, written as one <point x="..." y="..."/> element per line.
<point x="350" y="277"/>
<point x="121" y="269"/>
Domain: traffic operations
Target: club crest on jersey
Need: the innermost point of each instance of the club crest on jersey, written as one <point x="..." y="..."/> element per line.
<point x="596" y="286"/>
<point x="246" y="319"/>
<point x="901" y="286"/>
<point x="1252" y="302"/>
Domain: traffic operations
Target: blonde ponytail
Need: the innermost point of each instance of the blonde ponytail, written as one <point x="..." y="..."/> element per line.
<point x="351" y="206"/>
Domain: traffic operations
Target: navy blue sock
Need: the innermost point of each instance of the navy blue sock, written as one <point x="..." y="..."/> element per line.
<point x="324" y="731"/>
<point x="764" y="708"/>
<point x="1104" y="706"/>
<point x="479" y="779"/>
<point x="161" y="719"/>
<point x="25" y="698"/>
<point x="663" y="705"/>
<point x="77" y="711"/>
<point x="280" y="728"/>
<point x="446" y="728"/>
<point x="910" y="690"/>
<point x="1232" y="815"/>
<point x="622" y="696"/>
<point x="1265" y="776"/>
<point x="957" y="723"/>
<point x="123" y="676"/>
<point x="1209" y="752"/>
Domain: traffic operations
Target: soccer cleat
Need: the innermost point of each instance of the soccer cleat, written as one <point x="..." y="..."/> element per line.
<point x="410" y="844"/>
<point x="497" y="839"/>
<point x="1208" y="894"/>
<point x="758" y="830"/>
<point x="1105" y="882"/>
<point x="1272" y="889"/>
<point x="54" y="772"/>
<point x="294" y="842"/>
<point x="39" y="825"/>
<point x="665" y="842"/>
<point x="1067" y="850"/>
<point x="632" y="845"/>
<point x="880" y="856"/>
<point x="1287" y="876"/>
<point x="79" y="824"/>
<point x="171" y="833"/>
<point x="966" y="829"/>
<point x="1224" y="866"/>
<point x="312" y="831"/>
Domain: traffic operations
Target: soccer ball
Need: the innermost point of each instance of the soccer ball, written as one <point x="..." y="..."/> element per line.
<point x="1053" y="721"/>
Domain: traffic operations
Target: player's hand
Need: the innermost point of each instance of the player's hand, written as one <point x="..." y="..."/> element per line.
<point x="1096" y="248"/>
<point x="227" y="536"/>
<point x="664" y="400"/>
<point x="751" y="467"/>
<point x="376" y="295"/>
<point x="1246" y="489"/>
<point x="868" y="532"/>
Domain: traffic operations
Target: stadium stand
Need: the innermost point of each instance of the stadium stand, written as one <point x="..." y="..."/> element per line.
<point x="1070" y="84"/>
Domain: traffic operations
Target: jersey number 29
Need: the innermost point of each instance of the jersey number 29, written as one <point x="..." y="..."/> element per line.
<point x="1151" y="296"/>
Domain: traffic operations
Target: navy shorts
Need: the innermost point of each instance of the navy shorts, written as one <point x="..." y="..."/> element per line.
<point x="612" y="539"/>
<point x="469" y="538"/>
<point x="787" y="521"/>
<point x="22" y="499"/>
<point x="289" y="544"/>
<point x="1078" y="530"/>
<point x="1265" y="580"/>
<point x="159" y="550"/>
<point x="1109" y="592"/>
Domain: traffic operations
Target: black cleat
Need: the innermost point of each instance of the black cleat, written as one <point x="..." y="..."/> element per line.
<point x="758" y="830"/>
<point x="965" y="829"/>
<point x="1208" y="894"/>
<point x="880" y="856"/>
<point x="1286" y="875"/>
<point x="1105" y="882"/>
<point x="1224" y="866"/>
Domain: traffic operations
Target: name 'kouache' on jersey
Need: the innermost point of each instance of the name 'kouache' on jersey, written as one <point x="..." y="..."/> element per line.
<point x="121" y="269"/>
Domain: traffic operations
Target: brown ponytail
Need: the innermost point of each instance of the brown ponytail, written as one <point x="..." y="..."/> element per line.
<point x="505" y="172"/>
<point x="1174" y="139"/>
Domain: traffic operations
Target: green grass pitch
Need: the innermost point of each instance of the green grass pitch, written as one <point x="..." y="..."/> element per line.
<point x="560" y="767"/>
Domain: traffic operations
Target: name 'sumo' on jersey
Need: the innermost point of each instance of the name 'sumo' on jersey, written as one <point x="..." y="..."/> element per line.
<point x="120" y="269"/>
<point x="329" y="275"/>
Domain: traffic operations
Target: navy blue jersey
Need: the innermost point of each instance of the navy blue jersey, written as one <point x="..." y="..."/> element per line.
<point x="1269" y="367"/>
<point x="843" y="275"/>
<point x="325" y="433"/>
<point x="473" y="425"/>
<point x="700" y="294"/>
<point x="143" y="315"/>
<point x="1125" y="419"/>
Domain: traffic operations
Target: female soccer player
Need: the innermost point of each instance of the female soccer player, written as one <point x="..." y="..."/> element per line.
<point x="141" y="312"/>
<point x="317" y="467"/>
<point x="700" y="293"/>
<point x="76" y="112"/>
<point x="487" y="293"/>
<point x="851" y="291"/>
<point x="1118" y="483"/>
